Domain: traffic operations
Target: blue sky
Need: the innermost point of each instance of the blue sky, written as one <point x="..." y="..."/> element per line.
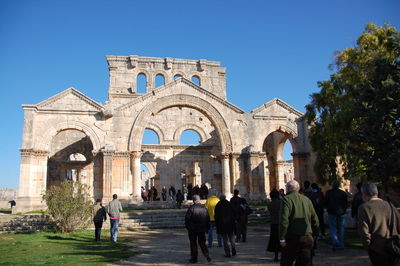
<point x="270" y="48"/>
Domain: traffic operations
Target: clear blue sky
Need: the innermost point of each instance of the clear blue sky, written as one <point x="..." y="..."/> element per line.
<point x="270" y="48"/>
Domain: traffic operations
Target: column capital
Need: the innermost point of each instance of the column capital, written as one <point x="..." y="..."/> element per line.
<point x="135" y="154"/>
<point x="225" y="155"/>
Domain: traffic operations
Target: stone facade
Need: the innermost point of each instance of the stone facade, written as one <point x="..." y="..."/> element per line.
<point x="70" y="136"/>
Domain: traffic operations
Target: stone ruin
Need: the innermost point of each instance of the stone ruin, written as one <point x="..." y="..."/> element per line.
<point x="71" y="136"/>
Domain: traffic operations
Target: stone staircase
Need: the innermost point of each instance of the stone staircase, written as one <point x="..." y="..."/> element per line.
<point x="132" y="220"/>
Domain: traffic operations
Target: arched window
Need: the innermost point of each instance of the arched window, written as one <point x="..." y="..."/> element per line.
<point x="189" y="137"/>
<point x="287" y="151"/>
<point x="150" y="137"/>
<point x="141" y="83"/>
<point x="177" y="76"/>
<point x="160" y="80"/>
<point x="196" y="80"/>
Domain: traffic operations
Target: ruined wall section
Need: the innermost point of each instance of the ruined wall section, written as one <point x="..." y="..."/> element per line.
<point x="124" y="71"/>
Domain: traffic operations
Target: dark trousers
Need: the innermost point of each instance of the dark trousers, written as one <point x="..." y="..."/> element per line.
<point x="240" y="231"/>
<point x="378" y="259"/>
<point x="298" y="248"/>
<point x="197" y="237"/>
<point x="225" y="238"/>
<point x="321" y="221"/>
<point x="97" y="231"/>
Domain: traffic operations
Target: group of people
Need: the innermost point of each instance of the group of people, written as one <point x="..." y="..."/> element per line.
<point x="113" y="210"/>
<point x="229" y="218"/>
<point x="297" y="219"/>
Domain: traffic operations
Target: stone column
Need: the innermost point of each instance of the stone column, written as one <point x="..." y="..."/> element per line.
<point x="300" y="166"/>
<point x="136" y="181"/>
<point x="107" y="175"/>
<point x="280" y="174"/>
<point x="226" y="177"/>
<point x="32" y="180"/>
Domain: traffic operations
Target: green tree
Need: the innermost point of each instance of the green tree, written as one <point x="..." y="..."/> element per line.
<point x="355" y="117"/>
<point x="69" y="206"/>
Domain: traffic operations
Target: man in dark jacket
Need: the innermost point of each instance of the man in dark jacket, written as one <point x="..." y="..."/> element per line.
<point x="225" y="223"/>
<point x="298" y="222"/>
<point x="99" y="215"/>
<point x="197" y="223"/>
<point x="336" y="205"/>
<point x="242" y="211"/>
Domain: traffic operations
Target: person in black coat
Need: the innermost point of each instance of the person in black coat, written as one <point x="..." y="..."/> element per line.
<point x="197" y="223"/>
<point x="242" y="211"/>
<point x="225" y="223"/>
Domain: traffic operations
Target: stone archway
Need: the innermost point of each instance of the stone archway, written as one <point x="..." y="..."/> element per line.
<point x="181" y="100"/>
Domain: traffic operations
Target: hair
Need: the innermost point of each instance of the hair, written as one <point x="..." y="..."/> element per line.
<point x="196" y="198"/>
<point x="314" y="186"/>
<point x="335" y="184"/>
<point x="213" y="192"/>
<point x="236" y="192"/>
<point x="274" y="194"/>
<point x="359" y="184"/>
<point x="293" y="185"/>
<point x="98" y="200"/>
<point x="222" y="196"/>
<point x="369" y="189"/>
<point x="306" y="184"/>
<point x="115" y="196"/>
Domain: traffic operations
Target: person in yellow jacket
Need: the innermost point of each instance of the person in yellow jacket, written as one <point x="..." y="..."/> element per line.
<point x="210" y="206"/>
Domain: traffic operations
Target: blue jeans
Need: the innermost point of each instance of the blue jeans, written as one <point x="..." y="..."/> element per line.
<point x="210" y="235"/>
<point x="336" y="228"/>
<point x="114" y="229"/>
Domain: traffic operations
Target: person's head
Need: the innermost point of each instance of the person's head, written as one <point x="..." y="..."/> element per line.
<point x="115" y="196"/>
<point x="179" y="191"/>
<point x="359" y="184"/>
<point x="369" y="190"/>
<point x="306" y="184"/>
<point x="314" y="186"/>
<point x="292" y="185"/>
<point x="222" y="196"/>
<point x="196" y="198"/>
<point x="282" y="192"/>
<point x="213" y="192"/>
<point x="236" y="192"/>
<point x="274" y="194"/>
<point x="98" y="200"/>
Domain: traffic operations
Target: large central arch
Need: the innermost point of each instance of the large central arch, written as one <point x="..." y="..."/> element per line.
<point x="197" y="103"/>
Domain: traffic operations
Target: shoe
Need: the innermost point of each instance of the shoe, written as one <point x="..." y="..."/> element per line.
<point x="233" y="252"/>
<point x="192" y="261"/>
<point x="227" y="256"/>
<point x="208" y="259"/>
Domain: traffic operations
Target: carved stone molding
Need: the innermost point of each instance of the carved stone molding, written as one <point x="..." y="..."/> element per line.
<point x="32" y="152"/>
<point x="135" y="154"/>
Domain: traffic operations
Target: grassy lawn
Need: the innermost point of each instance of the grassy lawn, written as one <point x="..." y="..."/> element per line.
<point x="64" y="249"/>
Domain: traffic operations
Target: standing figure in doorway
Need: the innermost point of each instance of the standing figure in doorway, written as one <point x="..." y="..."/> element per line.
<point x="164" y="193"/>
<point x="113" y="209"/>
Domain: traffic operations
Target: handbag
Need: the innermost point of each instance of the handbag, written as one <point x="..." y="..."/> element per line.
<point x="392" y="245"/>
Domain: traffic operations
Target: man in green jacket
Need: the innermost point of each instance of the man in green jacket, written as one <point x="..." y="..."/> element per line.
<point x="298" y="224"/>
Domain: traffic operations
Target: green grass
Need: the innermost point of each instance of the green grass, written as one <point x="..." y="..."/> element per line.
<point x="63" y="249"/>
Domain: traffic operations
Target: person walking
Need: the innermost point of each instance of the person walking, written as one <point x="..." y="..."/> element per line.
<point x="172" y="193"/>
<point x="242" y="211"/>
<point x="225" y="223"/>
<point x="179" y="199"/>
<point x="273" y="208"/>
<point x="378" y="220"/>
<point x="336" y="205"/>
<point x="197" y="223"/>
<point x="99" y="215"/>
<point x="210" y="206"/>
<point x="185" y="192"/>
<point x="298" y="223"/>
<point x="113" y="209"/>
<point x="319" y="207"/>
<point x="164" y="193"/>
<point x="357" y="201"/>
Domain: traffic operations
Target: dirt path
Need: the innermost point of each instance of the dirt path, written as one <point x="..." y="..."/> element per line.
<point x="171" y="247"/>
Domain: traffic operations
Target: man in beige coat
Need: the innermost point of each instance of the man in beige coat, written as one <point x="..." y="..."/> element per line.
<point x="373" y="225"/>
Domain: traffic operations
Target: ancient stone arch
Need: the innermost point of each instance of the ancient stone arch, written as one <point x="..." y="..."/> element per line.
<point x="77" y="125"/>
<point x="143" y="119"/>
<point x="199" y="130"/>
